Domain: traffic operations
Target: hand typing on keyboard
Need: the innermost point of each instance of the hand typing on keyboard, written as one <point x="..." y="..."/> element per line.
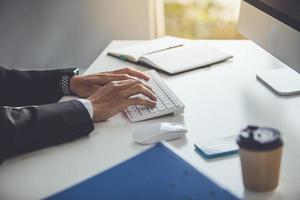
<point x="166" y="103"/>
<point x="115" y="96"/>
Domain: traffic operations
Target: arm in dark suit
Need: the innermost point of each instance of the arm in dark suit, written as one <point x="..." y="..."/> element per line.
<point x="29" y="128"/>
<point x="19" y="88"/>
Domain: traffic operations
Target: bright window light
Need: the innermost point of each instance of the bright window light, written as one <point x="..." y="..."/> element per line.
<point x="202" y="19"/>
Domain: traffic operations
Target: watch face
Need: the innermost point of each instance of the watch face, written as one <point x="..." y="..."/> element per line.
<point x="76" y="71"/>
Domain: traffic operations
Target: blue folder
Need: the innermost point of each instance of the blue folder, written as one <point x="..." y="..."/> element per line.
<point x="157" y="173"/>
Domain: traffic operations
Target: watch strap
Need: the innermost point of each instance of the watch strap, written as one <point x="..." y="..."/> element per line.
<point x="64" y="81"/>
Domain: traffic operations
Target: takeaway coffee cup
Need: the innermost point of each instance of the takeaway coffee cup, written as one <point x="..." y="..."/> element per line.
<point x="260" y="154"/>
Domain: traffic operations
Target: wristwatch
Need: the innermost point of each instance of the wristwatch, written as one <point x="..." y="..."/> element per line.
<point x="64" y="82"/>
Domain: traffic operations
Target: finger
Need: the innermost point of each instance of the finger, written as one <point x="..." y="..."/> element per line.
<point x="133" y="72"/>
<point x="138" y="81"/>
<point x="125" y="84"/>
<point x="148" y="86"/>
<point x="139" y="101"/>
<point x="139" y="89"/>
<point x="108" y="77"/>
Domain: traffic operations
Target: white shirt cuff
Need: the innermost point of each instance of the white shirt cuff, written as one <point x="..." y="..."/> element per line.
<point x="88" y="105"/>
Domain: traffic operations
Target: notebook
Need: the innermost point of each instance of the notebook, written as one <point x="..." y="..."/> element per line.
<point x="157" y="173"/>
<point x="170" y="54"/>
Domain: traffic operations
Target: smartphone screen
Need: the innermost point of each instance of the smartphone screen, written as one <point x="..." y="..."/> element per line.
<point x="219" y="147"/>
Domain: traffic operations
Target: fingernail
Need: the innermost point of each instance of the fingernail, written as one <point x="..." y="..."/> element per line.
<point x="154" y="103"/>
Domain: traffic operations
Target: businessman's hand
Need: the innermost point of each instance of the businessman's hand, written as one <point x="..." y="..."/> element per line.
<point x="117" y="95"/>
<point x="85" y="85"/>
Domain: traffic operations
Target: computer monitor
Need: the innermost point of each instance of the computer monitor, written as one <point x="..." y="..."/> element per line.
<point x="275" y="26"/>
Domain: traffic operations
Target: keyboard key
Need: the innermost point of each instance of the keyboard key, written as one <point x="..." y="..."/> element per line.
<point x="131" y="108"/>
<point x="161" y="108"/>
<point x="143" y="110"/>
<point x="135" y="114"/>
<point x="169" y="105"/>
<point x="153" y="110"/>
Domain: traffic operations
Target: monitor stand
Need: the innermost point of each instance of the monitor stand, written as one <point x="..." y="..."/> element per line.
<point x="285" y="82"/>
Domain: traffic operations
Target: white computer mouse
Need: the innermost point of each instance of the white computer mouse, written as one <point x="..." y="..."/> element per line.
<point x="153" y="133"/>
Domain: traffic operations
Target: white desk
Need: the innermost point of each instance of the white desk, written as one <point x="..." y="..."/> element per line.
<point x="220" y="100"/>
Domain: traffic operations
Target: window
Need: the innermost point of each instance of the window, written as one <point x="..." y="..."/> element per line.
<point x="202" y="19"/>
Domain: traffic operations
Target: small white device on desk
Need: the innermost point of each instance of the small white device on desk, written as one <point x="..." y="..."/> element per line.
<point x="154" y="133"/>
<point x="167" y="101"/>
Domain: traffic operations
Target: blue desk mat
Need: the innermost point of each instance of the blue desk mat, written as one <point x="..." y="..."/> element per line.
<point x="157" y="173"/>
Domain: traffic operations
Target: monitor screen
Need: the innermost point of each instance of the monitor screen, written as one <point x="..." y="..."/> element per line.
<point x="287" y="11"/>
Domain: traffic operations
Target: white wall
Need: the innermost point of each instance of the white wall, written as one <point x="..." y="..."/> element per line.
<point x="63" y="33"/>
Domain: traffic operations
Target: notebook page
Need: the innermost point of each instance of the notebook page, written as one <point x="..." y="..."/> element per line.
<point x="185" y="57"/>
<point x="134" y="52"/>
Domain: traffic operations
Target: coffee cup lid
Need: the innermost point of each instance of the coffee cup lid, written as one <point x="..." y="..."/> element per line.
<point x="259" y="138"/>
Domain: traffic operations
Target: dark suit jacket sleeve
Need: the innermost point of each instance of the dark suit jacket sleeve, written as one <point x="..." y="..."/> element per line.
<point x="20" y="88"/>
<point x="26" y="129"/>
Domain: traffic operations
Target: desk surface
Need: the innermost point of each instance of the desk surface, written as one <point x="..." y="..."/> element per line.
<point x="219" y="100"/>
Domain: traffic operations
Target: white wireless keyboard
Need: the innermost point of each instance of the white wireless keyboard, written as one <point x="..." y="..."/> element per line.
<point x="167" y="101"/>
